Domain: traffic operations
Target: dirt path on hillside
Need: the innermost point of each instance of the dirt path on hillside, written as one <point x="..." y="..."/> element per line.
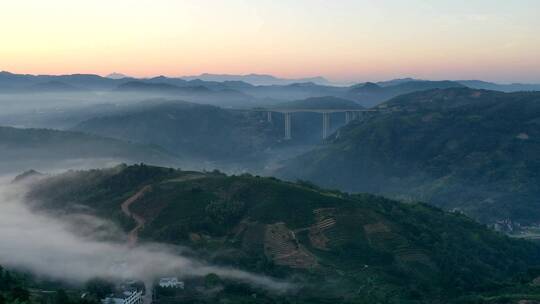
<point x="133" y="235"/>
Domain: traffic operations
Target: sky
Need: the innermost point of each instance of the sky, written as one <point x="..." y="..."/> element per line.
<point x="343" y="40"/>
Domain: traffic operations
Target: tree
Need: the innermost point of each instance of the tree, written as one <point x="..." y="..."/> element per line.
<point x="224" y="212"/>
<point x="99" y="287"/>
<point x="21" y="294"/>
<point x="212" y="280"/>
<point x="6" y="280"/>
<point x="61" y="297"/>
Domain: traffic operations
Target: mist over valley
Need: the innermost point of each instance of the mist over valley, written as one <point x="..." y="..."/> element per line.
<point x="269" y="152"/>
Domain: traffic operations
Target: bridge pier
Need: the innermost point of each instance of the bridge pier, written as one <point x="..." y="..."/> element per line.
<point x="326" y="124"/>
<point x="287" y="126"/>
<point x="348" y="117"/>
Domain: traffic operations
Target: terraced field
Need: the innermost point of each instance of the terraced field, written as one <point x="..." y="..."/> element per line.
<point x="282" y="247"/>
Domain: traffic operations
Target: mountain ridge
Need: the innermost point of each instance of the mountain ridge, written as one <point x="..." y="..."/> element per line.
<point x="459" y="148"/>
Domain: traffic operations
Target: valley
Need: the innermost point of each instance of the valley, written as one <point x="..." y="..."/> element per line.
<point x="269" y="152"/>
<point x="158" y="166"/>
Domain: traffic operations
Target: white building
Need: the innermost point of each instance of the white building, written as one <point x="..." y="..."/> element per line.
<point x="171" y="282"/>
<point x="126" y="297"/>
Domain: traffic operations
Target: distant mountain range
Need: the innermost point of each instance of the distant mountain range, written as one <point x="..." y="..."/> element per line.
<point x="115" y="75"/>
<point x="53" y="86"/>
<point x="257" y="79"/>
<point x="236" y="90"/>
<point x="464" y="149"/>
<point x="475" y="84"/>
<point x="204" y="93"/>
<point x="373" y="94"/>
<point x="141" y="86"/>
<point x="514" y="87"/>
<point x="10" y="82"/>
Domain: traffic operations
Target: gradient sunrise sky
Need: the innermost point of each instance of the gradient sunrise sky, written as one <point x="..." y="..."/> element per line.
<point x="344" y="40"/>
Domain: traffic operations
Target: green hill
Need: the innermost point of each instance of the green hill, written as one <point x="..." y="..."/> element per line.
<point x="336" y="247"/>
<point x="472" y="150"/>
<point x="25" y="288"/>
<point x="371" y="94"/>
<point x="200" y="131"/>
<point x="22" y="149"/>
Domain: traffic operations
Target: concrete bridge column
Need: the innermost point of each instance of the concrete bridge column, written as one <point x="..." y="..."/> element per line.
<point x="287" y="125"/>
<point x="326" y="124"/>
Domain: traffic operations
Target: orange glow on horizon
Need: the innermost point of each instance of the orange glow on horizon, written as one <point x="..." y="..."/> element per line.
<point x="344" y="41"/>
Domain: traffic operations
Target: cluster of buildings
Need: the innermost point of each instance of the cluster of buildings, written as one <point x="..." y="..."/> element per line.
<point x="171" y="282"/>
<point x="125" y="297"/>
<point x="130" y="293"/>
<point x="506" y="226"/>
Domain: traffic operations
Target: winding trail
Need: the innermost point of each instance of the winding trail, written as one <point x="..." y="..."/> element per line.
<point x="133" y="235"/>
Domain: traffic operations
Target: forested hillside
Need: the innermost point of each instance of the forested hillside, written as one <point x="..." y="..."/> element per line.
<point x="470" y="150"/>
<point x="334" y="246"/>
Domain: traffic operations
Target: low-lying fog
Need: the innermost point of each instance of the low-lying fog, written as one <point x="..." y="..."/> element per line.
<point x="61" y="110"/>
<point x="13" y="167"/>
<point x="50" y="248"/>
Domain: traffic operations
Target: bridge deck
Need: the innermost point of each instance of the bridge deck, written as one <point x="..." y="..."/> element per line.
<point x="284" y="110"/>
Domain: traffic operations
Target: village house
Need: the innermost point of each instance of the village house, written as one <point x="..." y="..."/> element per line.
<point x="171" y="282"/>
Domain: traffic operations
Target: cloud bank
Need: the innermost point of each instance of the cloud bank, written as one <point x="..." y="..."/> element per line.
<point x="47" y="247"/>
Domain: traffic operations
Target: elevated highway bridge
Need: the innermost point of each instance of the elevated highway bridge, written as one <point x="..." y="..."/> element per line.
<point x="350" y="115"/>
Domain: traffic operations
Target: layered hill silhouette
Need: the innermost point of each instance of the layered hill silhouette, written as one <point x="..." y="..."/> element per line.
<point x="201" y="131"/>
<point x="210" y="133"/>
<point x="470" y="150"/>
<point x="53" y="86"/>
<point x="255" y="79"/>
<point x="235" y="90"/>
<point x="324" y="102"/>
<point x="23" y="149"/>
<point x="373" y="94"/>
